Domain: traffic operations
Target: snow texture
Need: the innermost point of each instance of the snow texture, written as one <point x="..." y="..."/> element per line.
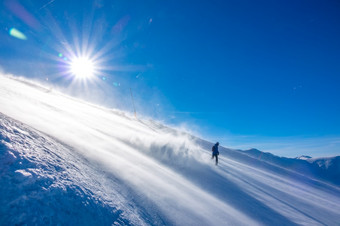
<point x="64" y="161"/>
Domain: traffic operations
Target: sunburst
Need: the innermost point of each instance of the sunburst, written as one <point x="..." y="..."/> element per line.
<point x="82" y="67"/>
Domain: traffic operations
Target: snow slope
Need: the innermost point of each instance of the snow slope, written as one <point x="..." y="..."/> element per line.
<point x="325" y="169"/>
<point x="70" y="162"/>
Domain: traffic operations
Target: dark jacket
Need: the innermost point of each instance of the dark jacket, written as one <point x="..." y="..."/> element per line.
<point x="215" y="150"/>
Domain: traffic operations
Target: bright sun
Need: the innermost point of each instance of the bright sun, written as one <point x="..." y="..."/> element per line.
<point x="82" y="67"/>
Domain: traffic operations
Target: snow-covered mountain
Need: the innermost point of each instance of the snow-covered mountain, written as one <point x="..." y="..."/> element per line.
<point x="65" y="161"/>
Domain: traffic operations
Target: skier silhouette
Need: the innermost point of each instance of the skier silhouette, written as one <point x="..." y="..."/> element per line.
<point x="215" y="152"/>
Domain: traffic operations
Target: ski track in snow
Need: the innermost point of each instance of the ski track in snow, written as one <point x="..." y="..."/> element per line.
<point x="69" y="162"/>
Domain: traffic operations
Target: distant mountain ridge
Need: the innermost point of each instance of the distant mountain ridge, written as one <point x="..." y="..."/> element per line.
<point x="321" y="168"/>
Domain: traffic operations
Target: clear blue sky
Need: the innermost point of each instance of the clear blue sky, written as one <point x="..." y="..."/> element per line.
<point x="243" y="72"/>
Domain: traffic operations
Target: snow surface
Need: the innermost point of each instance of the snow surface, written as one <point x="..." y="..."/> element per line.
<point x="326" y="169"/>
<point x="65" y="161"/>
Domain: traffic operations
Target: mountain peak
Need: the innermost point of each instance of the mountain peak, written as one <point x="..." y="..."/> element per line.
<point x="304" y="157"/>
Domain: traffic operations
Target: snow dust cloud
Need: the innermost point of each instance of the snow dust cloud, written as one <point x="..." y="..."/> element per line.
<point x="129" y="149"/>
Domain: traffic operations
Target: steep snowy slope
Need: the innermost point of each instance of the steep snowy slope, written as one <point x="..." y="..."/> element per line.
<point x="43" y="181"/>
<point x="67" y="161"/>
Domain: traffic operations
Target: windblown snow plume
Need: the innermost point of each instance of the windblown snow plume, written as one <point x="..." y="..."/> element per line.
<point x="64" y="161"/>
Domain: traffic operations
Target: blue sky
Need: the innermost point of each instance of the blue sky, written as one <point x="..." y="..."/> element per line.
<point x="262" y="74"/>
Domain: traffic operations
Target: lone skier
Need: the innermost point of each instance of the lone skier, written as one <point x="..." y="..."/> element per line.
<point x="215" y="152"/>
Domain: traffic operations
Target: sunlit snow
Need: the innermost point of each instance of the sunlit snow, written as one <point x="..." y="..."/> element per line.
<point x="86" y="164"/>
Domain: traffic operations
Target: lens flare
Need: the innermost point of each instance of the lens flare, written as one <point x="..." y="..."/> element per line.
<point x="17" y="34"/>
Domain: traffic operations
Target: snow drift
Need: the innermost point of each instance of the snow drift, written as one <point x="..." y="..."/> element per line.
<point x="66" y="161"/>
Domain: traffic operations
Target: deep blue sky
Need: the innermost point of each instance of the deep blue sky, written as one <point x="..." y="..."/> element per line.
<point x="242" y="72"/>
